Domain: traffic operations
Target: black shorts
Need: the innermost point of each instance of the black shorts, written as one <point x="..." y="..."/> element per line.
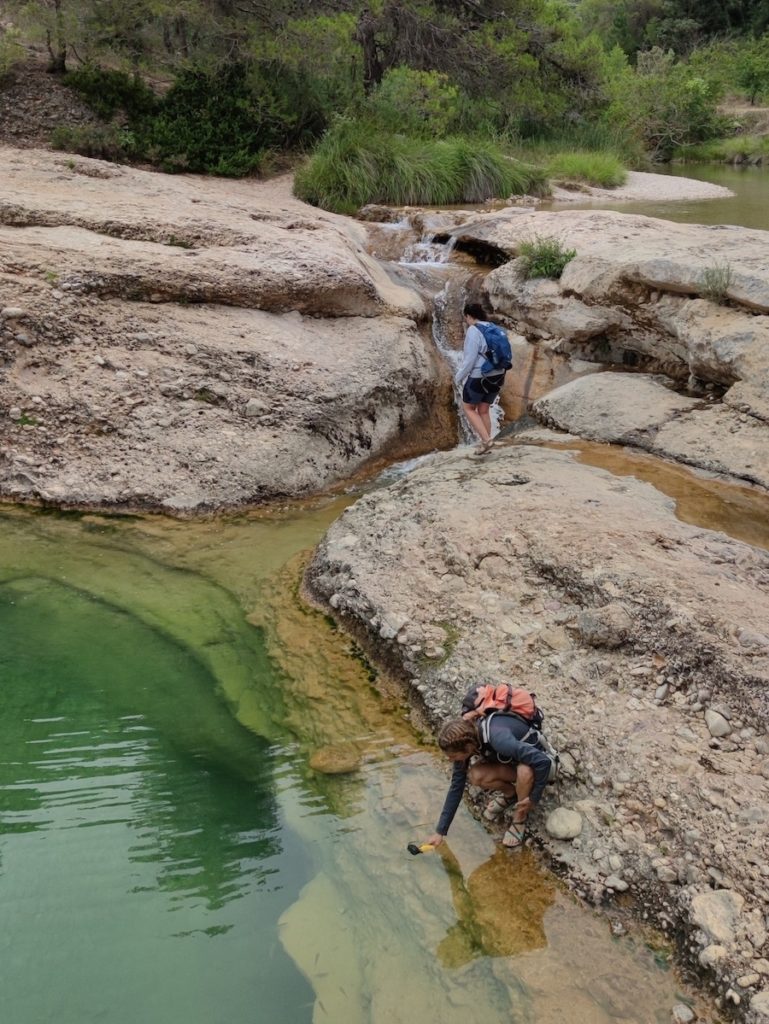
<point x="482" y="390"/>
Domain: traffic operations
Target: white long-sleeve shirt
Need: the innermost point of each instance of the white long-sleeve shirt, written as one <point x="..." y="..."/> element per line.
<point x="473" y="355"/>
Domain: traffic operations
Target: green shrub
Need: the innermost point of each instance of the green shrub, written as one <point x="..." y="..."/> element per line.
<point x="420" y="103"/>
<point x="600" y="169"/>
<point x="107" y="91"/>
<point x="543" y="257"/>
<point x="715" y="282"/>
<point x="226" y="121"/>
<point x="736" y="149"/>
<point x="356" y="163"/>
<point x="11" y="51"/>
<point x="667" y="104"/>
<point x="103" y="141"/>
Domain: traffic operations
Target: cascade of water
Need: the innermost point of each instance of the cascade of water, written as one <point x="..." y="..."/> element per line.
<point x="428" y="251"/>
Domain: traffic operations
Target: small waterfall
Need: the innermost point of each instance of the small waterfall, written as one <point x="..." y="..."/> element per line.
<point x="432" y="270"/>
<point x="428" y="251"/>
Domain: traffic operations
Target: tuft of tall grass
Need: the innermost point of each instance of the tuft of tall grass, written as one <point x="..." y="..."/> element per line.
<point x="356" y="163"/>
<point x="601" y="169"/>
<point x="715" y="282"/>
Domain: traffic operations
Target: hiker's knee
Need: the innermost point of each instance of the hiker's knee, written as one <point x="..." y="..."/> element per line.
<point x="490" y="776"/>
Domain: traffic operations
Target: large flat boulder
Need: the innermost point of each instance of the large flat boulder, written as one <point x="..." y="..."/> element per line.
<point x="192" y="344"/>
<point x="637" y="632"/>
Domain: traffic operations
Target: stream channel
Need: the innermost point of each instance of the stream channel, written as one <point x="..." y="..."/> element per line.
<point x="173" y="849"/>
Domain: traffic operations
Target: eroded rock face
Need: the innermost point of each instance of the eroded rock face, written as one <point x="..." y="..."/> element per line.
<point x="634" y="295"/>
<point x="192" y="344"/>
<point x="639" y="410"/>
<point x="584" y="587"/>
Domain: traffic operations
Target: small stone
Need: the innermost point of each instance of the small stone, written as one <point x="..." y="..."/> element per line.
<point x="711" y="955"/>
<point x="716" y="723"/>
<point x="716" y="913"/>
<point x="759" y="1004"/>
<point x="746" y="980"/>
<point x="255" y="407"/>
<point x="616" y="883"/>
<point x="682" y="1014"/>
<point x="14" y="412"/>
<point x="11" y="312"/>
<point x="563" y="823"/>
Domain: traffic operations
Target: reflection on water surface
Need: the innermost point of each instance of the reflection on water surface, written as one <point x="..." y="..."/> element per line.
<point x="168" y="855"/>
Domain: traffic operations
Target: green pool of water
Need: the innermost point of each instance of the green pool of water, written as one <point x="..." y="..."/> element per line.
<point x="168" y="855"/>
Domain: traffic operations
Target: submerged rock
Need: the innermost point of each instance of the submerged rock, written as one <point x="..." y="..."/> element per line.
<point x="335" y="760"/>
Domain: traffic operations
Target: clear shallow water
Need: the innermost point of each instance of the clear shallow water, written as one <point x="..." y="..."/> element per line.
<point x="749" y="207"/>
<point x="168" y="855"/>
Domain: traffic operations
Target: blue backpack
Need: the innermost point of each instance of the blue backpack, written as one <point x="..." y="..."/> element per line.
<point x="499" y="355"/>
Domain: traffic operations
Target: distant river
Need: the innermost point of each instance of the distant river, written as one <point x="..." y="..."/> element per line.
<point x="749" y="207"/>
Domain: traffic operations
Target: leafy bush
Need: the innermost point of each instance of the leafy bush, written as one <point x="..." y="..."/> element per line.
<point x="107" y="91"/>
<point x="543" y="257"/>
<point x="667" y="105"/>
<point x="600" y="169"/>
<point x="102" y="141"/>
<point x="420" y="103"/>
<point x="356" y="163"/>
<point x="223" y="121"/>
<point x="753" y="69"/>
<point x="11" y="51"/>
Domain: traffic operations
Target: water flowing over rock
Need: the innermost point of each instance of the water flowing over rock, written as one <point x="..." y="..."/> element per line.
<point x="188" y="343"/>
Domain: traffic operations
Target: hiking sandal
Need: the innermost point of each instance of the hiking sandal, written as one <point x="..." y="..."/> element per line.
<point x="496" y="806"/>
<point x="484" y="448"/>
<point x="515" y="835"/>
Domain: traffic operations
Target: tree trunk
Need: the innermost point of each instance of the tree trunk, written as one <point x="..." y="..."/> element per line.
<point x="365" y="34"/>
<point x="57" y="64"/>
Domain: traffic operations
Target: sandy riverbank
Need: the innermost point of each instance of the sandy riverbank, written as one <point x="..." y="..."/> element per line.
<point x="641" y="186"/>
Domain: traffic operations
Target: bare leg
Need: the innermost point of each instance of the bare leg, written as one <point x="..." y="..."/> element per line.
<point x="511" y="782"/>
<point x="476" y="422"/>
<point x="483" y="412"/>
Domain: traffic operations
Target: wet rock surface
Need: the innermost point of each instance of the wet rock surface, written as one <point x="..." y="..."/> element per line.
<point x="642" y="411"/>
<point x="191" y="344"/>
<point x="626" y="622"/>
